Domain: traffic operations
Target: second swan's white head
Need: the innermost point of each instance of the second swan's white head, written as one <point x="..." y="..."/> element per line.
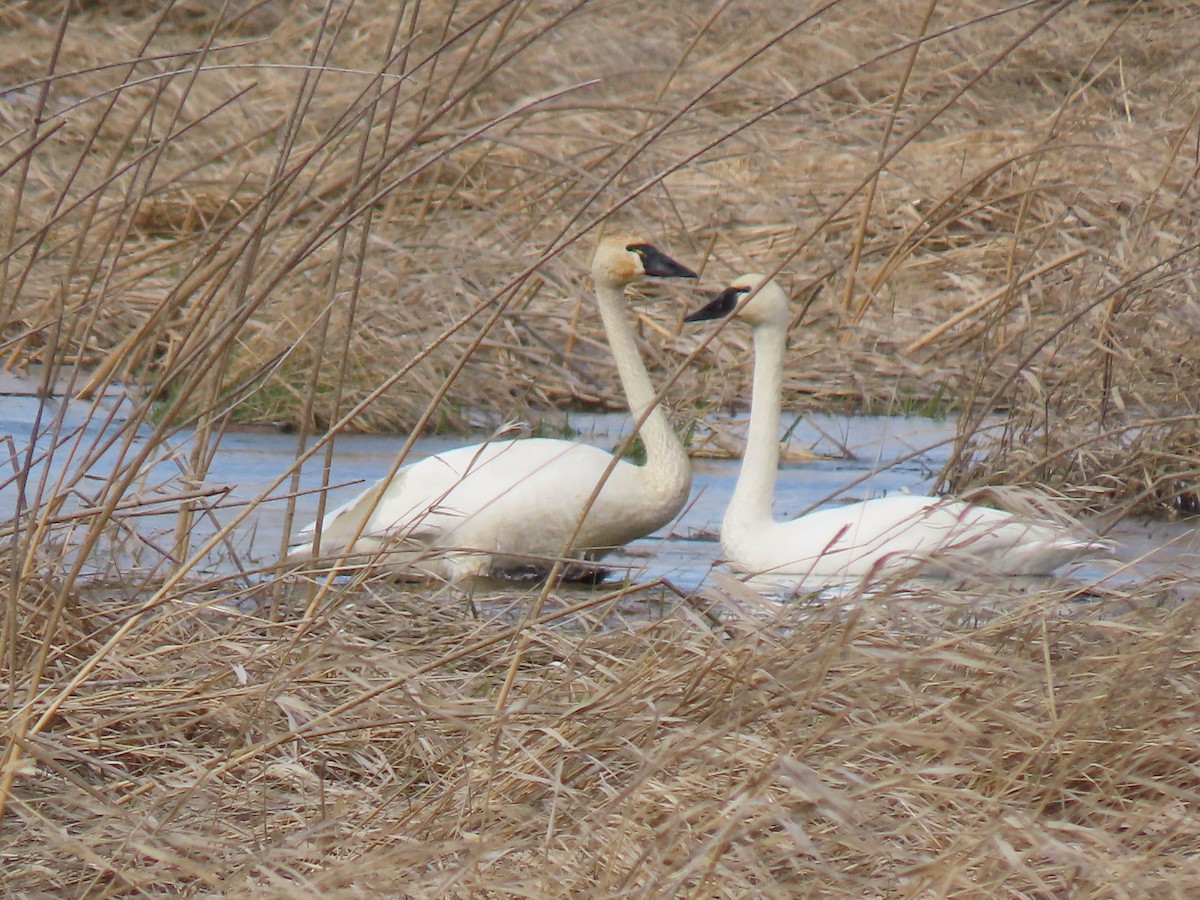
<point x="767" y="303"/>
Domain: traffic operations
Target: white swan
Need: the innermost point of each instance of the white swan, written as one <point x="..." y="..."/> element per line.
<point x="874" y="537"/>
<point x="509" y="507"/>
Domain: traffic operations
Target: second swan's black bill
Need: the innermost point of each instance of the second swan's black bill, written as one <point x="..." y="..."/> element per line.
<point x="719" y="307"/>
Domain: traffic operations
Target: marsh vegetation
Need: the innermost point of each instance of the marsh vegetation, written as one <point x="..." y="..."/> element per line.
<point x="367" y="216"/>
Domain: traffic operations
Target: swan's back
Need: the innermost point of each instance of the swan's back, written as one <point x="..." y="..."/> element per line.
<point x="526" y="493"/>
<point x="942" y="536"/>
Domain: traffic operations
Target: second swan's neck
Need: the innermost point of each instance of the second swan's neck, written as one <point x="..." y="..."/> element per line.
<point x="755" y="490"/>
<point x="667" y="469"/>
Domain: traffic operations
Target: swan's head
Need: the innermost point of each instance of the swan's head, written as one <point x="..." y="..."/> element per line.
<point x="767" y="306"/>
<point x="622" y="259"/>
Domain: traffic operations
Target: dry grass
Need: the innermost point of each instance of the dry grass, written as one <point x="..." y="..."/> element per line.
<point x="915" y="748"/>
<point x="994" y="219"/>
<point x="377" y="216"/>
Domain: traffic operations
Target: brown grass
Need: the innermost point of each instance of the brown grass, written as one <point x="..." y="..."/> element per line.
<point x="997" y="213"/>
<point x="915" y="748"/>
<point x="378" y="216"/>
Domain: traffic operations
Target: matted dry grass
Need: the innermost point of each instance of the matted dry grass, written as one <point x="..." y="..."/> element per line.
<point x="911" y="746"/>
<point x="378" y="216"/>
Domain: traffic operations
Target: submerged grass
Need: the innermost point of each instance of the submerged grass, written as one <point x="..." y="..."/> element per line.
<point x="375" y="216"/>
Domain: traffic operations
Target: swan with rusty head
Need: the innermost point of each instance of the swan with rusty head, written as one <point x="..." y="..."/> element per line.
<point x="877" y="537"/>
<point x="510" y="507"/>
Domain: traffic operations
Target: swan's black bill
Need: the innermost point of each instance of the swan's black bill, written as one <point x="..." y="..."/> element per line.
<point x="658" y="264"/>
<point x="719" y="307"/>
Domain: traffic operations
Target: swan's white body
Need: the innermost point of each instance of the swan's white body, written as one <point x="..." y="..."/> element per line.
<point x="941" y="536"/>
<point x="512" y="506"/>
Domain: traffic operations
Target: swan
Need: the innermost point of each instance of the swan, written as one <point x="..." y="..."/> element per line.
<point x="509" y="507"/>
<point x="940" y="536"/>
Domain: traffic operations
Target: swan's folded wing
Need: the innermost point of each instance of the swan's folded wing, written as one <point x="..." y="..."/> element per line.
<point x="361" y="516"/>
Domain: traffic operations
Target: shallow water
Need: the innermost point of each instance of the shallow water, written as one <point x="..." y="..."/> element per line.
<point x="867" y="457"/>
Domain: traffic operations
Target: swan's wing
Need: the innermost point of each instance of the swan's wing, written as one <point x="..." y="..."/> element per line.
<point x="906" y="529"/>
<point x="1014" y="541"/>
<point x="903" y="523"/>
<point x="427" y="499"/>
<point x="915" y="524"/>
<point x="363" y="515"/>
<point x="398" y="506"/>
<point x="531" y="475"/>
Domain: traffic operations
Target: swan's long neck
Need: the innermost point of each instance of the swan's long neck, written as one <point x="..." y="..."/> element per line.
<point x="750" y="506"/>
<point x="667" y="471"/>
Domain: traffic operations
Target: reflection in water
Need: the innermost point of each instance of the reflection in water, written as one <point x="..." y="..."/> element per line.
<point x="874" y="456"/>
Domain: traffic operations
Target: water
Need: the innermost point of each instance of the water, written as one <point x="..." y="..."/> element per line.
<point x="873" y="456"/>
